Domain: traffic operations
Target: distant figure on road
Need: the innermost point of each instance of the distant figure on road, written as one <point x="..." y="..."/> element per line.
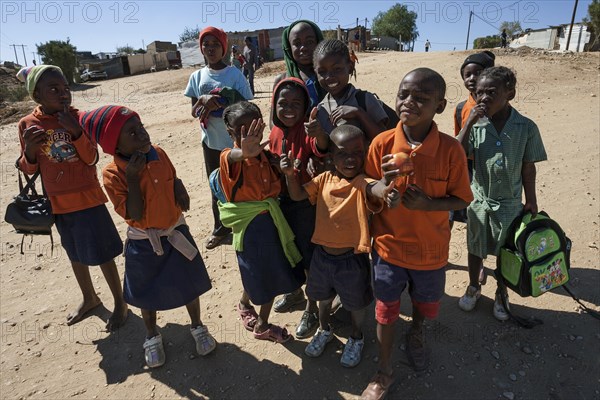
<point x="250" y="65"/>
<point x="503" y="35"/>
<point x="427" y="45"/>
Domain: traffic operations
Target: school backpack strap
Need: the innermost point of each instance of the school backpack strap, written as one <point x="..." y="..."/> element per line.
<point x="588" y="310"/>
<point x="458" y="114"/>
<point x="393" y="118"/>
<point x="503" y="292"/>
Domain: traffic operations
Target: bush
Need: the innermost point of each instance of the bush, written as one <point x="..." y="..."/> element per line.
<point x="17" y="93"/>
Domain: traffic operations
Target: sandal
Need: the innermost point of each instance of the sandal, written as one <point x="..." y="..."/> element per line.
<point x="213" y="241"/>
<point x="274" y="333"/>
<point x="249" y="317"/>
<point x="378" y="387"/>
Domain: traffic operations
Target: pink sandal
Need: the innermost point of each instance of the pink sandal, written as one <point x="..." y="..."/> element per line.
<point x="274" y="333"/>
<point x="249" y="317"/>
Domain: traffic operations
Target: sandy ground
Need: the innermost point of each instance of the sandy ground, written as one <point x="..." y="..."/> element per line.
<point x="474" y="356"/>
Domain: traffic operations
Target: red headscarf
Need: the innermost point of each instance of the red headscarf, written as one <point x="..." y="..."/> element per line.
<point x="216" y="32"/>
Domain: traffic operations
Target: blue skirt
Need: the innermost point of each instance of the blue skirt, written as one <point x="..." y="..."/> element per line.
<point x="154" y="282"/>
<point x="265" y="270"/>
<point x="89" y="236"/>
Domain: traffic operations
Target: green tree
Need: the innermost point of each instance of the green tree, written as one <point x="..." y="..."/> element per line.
<point x="125" y="50"/>
<point x="396" y="22"/>
<point x="140" y="51"/>
<point x="592" y="20"/>
<point x="512" y="28"/>
<point x="61" y="54"/>
<point x="487" y="42"/>
<point x="189" y="34"/>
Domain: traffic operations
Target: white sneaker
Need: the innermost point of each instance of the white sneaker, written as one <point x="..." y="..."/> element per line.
<point x="205" y="343"/>
<point x="499" y="311"/>
<point x="154" y="352"/>
<point x="317" y="345"/>
<point x="352" y="352"/>
<point x="469" y="300"/>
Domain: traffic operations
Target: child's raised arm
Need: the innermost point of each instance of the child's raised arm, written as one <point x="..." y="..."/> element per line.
<point x="135" y="199"/>
<point x="295" y="189"/>
<point x="313" y="129"/>
<point x="463" y="136"/>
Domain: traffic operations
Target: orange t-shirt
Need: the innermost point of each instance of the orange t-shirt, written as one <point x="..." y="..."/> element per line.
<point x="417" y="239"/>
<point x="67" y="166"/>
<point x="342" y="211"/>
<point x="464" y="115"/>
<point x="259" y="180"/>
<point x="157" y="183"/>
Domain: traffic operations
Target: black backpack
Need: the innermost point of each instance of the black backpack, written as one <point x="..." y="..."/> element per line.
<point x="393" y="118"/>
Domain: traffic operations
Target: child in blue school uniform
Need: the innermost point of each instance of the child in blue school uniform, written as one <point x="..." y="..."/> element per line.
<point x="262" y="238"/>
<point x="504" y="147"/>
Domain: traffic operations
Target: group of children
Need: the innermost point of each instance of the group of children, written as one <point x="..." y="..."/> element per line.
<point x="333" y="188"/>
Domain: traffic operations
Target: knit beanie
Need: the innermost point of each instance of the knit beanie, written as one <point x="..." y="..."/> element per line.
<point x="104" y="125"/>
<point x="485" y="59"/>
<point x="216" y="32"/>
<point x="31" y="75"/>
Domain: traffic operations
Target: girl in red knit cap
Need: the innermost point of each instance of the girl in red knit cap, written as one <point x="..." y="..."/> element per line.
<point x="207" y="105"/>
<point x="52" y="144"/>
<point x="163" y="267"/>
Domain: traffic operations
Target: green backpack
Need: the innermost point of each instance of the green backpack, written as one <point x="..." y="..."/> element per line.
<point x="535" y="257"/>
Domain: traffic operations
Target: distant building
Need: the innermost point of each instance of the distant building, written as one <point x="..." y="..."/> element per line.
<point x="159" y="47"/>
<point x="105" y="56"/>
<point x="269" y="46"/>
<point x="554" y="38"/>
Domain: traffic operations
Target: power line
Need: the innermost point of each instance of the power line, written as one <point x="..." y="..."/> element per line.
<point x="496" y="28"/>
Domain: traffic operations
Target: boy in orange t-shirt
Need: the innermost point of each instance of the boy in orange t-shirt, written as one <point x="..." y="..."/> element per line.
<point x="411" y="242"/>
<point x="340" y="263"/>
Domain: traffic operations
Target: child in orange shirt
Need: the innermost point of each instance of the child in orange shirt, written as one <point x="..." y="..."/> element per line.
<point x="340" y="264"/>
<point x="53" y="144"/>
<point x="465" y="117"/>
<point x="163" y="267"/>
<point x="414" y="252"/>
<point x="262" y="238"/>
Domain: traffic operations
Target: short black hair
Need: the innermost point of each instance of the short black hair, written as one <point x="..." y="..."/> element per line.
<point x="501" y="74"/>
<point x="330" y="47"/>
<point x="345" y="132"/>
<point x="433" y="77"/>
<point x="238" y="110"/>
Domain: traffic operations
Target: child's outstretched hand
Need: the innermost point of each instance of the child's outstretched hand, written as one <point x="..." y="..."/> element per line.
<point x="343" y="112"/>
<point x="250" y="143"/>
<point x="415" y="199"/>
<point x="313" y="127"/>
<point x="286" y="163"/>
<point x="34" y="138"/>
<point x="136" y="164"/>
<point x="69" y="122"/>
<point x="182" y="198"/>
<point x="391" y="196"/>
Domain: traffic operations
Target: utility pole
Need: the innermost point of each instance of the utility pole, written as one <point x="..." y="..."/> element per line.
<point x="357" y="22"/>
<point x="469" y="30"/>
<point x="571" y="27"/>
<point x="14" y="46"/>
<point x="24" y="58"/>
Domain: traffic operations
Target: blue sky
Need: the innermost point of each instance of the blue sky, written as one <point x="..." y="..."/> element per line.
<point x="103" y="25"/>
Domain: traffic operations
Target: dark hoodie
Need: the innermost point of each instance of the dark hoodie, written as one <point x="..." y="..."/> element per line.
<point x="283" y="139"/>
